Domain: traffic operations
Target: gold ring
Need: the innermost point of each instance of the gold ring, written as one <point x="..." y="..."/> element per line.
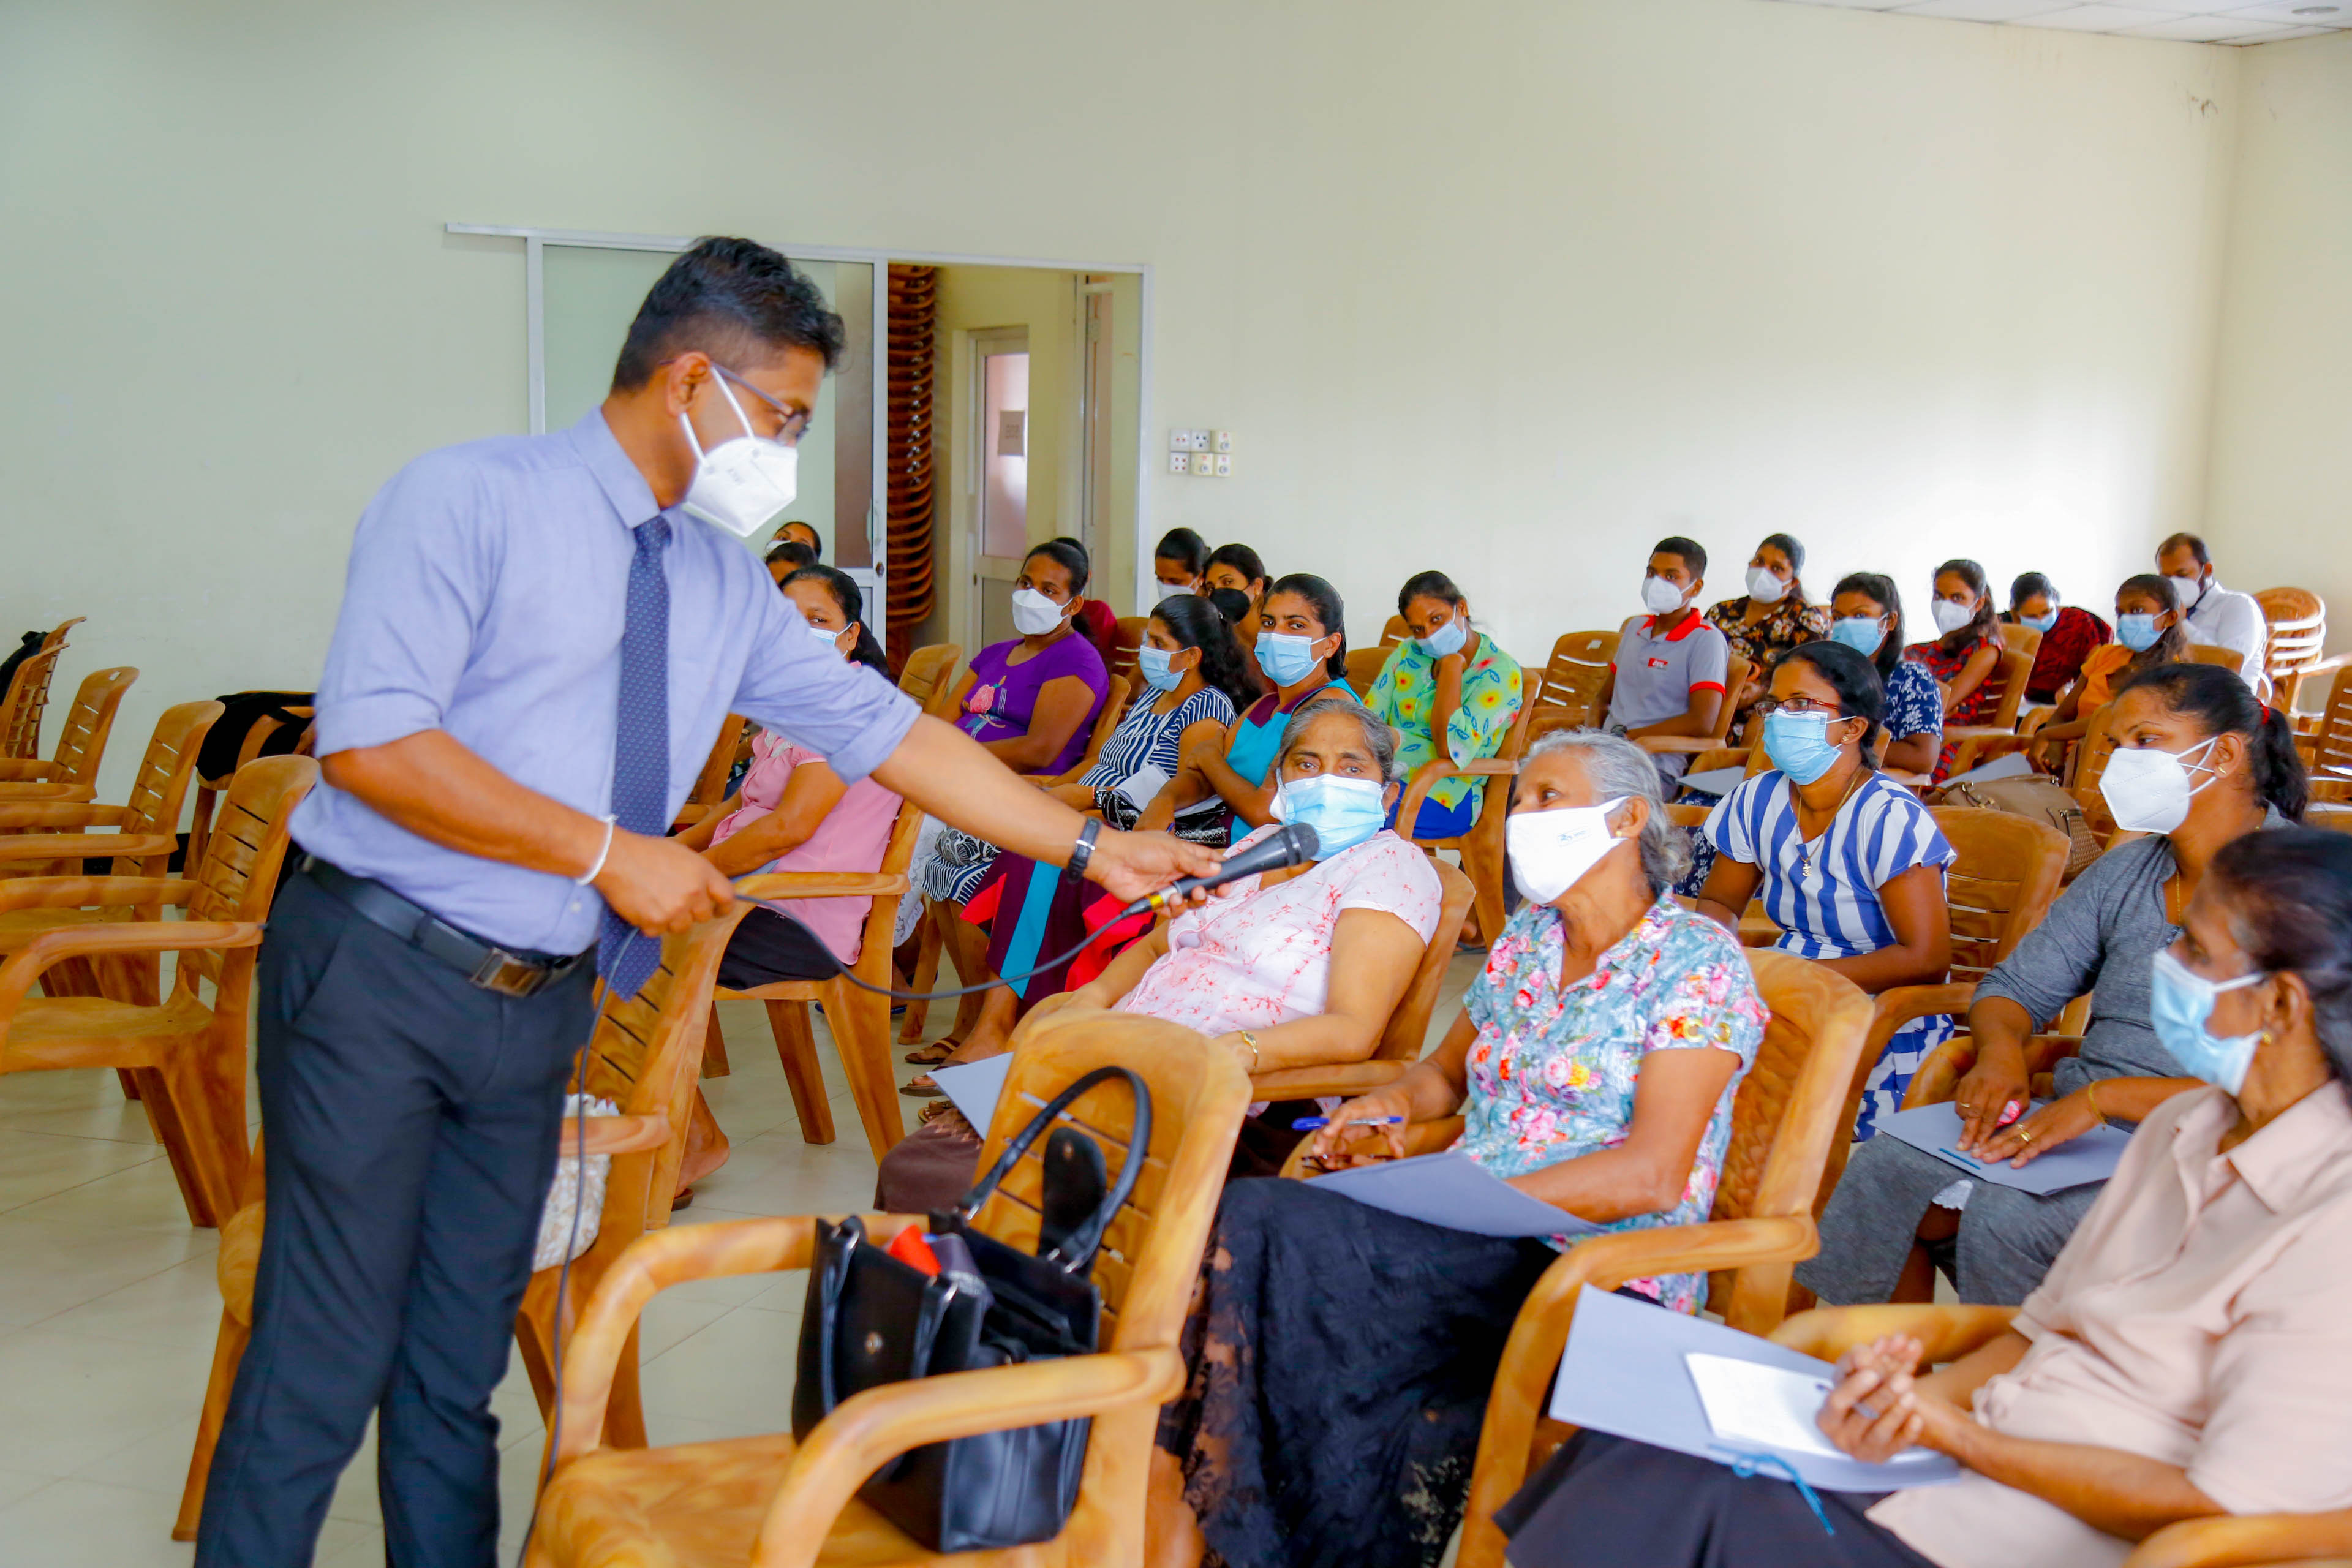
<point x="2023" y="1136"/>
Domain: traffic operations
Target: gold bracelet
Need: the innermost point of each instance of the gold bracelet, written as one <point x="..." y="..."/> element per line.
<point x="1251" y="1041"/>
<point x="2090" y="1093"/>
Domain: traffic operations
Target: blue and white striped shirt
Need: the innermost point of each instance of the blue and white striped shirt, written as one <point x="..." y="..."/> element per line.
<point x="1824" y="895"/>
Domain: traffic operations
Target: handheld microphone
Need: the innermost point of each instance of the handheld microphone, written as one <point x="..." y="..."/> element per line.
<point x="1292" y="844"/>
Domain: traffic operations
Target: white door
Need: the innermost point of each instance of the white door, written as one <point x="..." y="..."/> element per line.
<point x="999" y="476"/>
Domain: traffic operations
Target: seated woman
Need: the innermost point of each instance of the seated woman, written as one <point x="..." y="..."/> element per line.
<point x="1237" y="567"/>
<point x="1343" y="1355"/>
<point x="1867" y="616"/>
<point x="2148" y="633"/>
<point x="2187" y="1356"/>
<point x="1848" y="865"/>
<point x="788" y="555"/>
<point x="1188" y="670"/>
<point x="1033" y="701"/>
<point x="1095" y="620"/>
<point x="1179" y="560"/>
<point x="1771" y="618"/>
<point x="2200" y="765"/>
<point x="1295" y="968"/>
<point x="2068" y="632"/>
<point x="1963" y="658"/>
<point x="1446" y="679"/>
<point x="1302" y="647"/>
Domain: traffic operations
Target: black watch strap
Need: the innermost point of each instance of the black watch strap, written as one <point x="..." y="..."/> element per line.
<point x="1082" y="855"/>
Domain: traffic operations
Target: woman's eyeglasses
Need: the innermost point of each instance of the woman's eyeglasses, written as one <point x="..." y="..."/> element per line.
<point x="1799" y="705"/>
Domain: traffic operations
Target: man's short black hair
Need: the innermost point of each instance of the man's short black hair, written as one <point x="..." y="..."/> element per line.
<point x="736" y="300"/>
<point x="2189" y="541"/>
<point x="1692" y="554"/>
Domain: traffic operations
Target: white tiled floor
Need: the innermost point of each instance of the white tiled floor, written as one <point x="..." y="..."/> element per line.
<point x="108" y="1309"/>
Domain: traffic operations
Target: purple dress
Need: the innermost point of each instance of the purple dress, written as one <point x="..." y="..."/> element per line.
<point x="1004" y="695"/>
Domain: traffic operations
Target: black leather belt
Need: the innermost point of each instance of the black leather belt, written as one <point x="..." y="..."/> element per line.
<point x="491" y="968"/>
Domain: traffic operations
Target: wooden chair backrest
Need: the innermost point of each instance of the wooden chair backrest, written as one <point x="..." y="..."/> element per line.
<point x="1393" y="632"/>
<point x="243" y="854"/>
<point x="2001" y="887"/>
<point x="881" y="920"/>
<point x="1788" y="1110"/>
<point x="27" y="699"/>
<point x="710" y="784"/>
<point x="1408" y="1029"/>
<point x="160" y="787"/>
<point x="2089" y="764"/>
<point x="2229" y="659"/>
<point x="1495" y="791"/>
<point x="645" y="1057"/>
<point x="928" y="677"/>
<point x="1126" y="640"/>
<point x="2009" y="694"/>
<point x="1364" y="666"/>
<point x="81" y="744"/>
<point x="1570" y="683"/>
<point x="2331" y="748"/>
<point x="1735" y="671"/>
<point x="2020" y="639"/>
<point x="2295" y="622"/>
<point x="1150" y="1257"/>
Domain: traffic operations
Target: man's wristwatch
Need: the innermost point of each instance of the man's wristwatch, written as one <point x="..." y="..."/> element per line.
<point x="1083" y="856"/>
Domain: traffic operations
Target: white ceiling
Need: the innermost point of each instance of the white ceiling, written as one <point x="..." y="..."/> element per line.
<point x="2188" y="21"/>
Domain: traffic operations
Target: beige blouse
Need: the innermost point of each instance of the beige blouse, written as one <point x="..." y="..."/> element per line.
<point x="2198" y="1316"/>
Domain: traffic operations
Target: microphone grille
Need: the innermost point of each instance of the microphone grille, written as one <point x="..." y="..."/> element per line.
<point x="1303" y="838"/>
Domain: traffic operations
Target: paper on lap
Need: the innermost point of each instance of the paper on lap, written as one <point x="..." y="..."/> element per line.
<point x="2076" y="1162"/>
<point x="974" y="1087"/>
<point x="1454" y="1191"/>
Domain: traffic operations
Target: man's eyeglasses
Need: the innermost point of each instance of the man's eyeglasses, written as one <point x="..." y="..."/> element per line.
<point x="796" y="422"/>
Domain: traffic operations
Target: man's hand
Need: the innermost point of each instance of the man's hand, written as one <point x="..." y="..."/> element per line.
<point x="1129" y="865"/>
<point x="659" y="886"/>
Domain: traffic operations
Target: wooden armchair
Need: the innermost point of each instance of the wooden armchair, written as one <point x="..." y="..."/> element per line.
<point x="1364" y="666"/>
<point x="2296" y="623"/>
<point x="2018" y="639"/>
<point x="1982" y="743"/>
<point x="1734" y="677"/>
<point x="256" y="734"/>
<point x="27" y="699"/>
<point x="642" y="1058"/>
<point x="2328" y="752"/>
<point x="859" y="1020"/>
<point x="1999" y="889"/>
<point x="1394" y="631"/>
<point x="187" y="1054"/>
<point x="1126" y="642"/>
<point x="774" y="1503"/>
<point x="928" y="677"/>
<point x="710" y="788"/>
<point x="1570" y="684"/>
<point x="1785" y="1118"/>
<point x="1481" y="848"/>
<point x="71" y="772"/>
<point x="143" y="829"/>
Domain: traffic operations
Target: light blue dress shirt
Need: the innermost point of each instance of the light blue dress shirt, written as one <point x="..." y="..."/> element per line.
<point x="485" y="597"/>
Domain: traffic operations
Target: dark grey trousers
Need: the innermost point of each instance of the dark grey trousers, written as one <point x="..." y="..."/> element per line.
<point x="410" y="1123"/>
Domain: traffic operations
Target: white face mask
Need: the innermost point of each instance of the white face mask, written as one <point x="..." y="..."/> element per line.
<point x="1034" y="614"/>
<point x="2187" y="591"/>
<point x="1764" y="587"/>
<point x="2147" y="790"/>
<point x="1662" y="596"/>
<point x="1951" y="615"/>
<point x="743" y="482"/>
<point x="1549" y="851"/>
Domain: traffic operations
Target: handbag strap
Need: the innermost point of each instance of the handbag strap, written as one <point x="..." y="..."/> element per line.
<point x="1076" y="1251"/>
<point x="847" y="1237"/>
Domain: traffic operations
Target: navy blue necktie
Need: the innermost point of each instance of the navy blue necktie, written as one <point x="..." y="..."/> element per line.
<point x="640" y="747"/>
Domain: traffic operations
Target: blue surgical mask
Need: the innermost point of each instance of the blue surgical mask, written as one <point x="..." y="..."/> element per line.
<point x="2136" y="632"/>
<point x="2180" y="1004"/>
<point x="1860" y="633"/>
<point x="1799" y="744"/>
<point x="825" y="635"/>
<point x="1446" y="639"/>
<point x="2038" y="623"/>
<point x="1152" y="663"/>
<point x="1342" y="812"/>
<point x="1287" y="659"/>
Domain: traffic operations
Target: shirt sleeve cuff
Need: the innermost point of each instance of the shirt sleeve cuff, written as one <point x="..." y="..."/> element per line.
<point x="878" y="740"/>
<point x="378" y="720"/>
<point x="1714" y="686"/>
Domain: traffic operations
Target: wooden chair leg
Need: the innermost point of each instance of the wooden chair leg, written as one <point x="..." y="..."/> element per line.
<point x="796" y="1048"/>
<point x="175" y="1100"/>
<point x="228" y="1350"/>
<point x="860" y="1023"/>
<point x="926" y="978"/>
<point x="1484" y="865"/>
<point x="969" y="947"/>
<point x="625" y="1411"/>
<point x="714" y="1049"/>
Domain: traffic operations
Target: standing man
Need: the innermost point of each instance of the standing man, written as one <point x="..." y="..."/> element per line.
<point x="539" y="638"/>
<point x="2212" y="615"/>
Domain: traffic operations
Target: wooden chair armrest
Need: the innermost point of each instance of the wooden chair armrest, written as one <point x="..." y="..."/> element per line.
<point x="821" y="885"/>
<point x="1895" y="1008"/>
<point x="1680" y="745"/>
<point x="1979" y="748"/>
<point x="92" y="892"/>
<point x="1344" y="1079"/>
<point x="59" y="815"/>
<point x="1421" y="1138"/>
<point x="16" y="791"/>
<point x="86" y="846"/>
<point x="867" y="1430"/>
<point x="26" y="770"/>
<point x="26" y="965"/>
<point x="1910" y="781"/>
<point x="611" y="1134"/>
<point x="1948" y="1332"/>
<point x="1980" y="732"/>
<point x="1531" y="1356"/>
<point x="1723" y="757"/>
<point x="1425" y="778"/>
<point x="655" y="1262"/>
<point x="2243" y="1541"/>
<point x="1939" y="1074"/>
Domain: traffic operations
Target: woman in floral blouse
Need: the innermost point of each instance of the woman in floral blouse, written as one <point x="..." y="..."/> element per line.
<point x="1446" y="679"/>
<point x="1771" y="618"/>
<point x="1342" y="1355"/>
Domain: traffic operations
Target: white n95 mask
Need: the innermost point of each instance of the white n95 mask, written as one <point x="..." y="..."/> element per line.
<point x="1764" y="587"/>
<point x="1660" y="596"/>
<point x="2147" y="790"/>
<point x="1549" y="851"/>
<point x="1034" y="614"/>
<point x="743" y="482"/>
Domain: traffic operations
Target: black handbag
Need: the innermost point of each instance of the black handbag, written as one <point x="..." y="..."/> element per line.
<point x="873" y="1319"/>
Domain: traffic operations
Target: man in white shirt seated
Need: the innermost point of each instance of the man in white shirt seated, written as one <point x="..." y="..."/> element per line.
<point x="2218" y="617"/>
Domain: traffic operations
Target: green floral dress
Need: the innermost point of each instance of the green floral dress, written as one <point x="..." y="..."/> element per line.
<point x="1406" y="690"/>
<point x="1552" y="1073"/>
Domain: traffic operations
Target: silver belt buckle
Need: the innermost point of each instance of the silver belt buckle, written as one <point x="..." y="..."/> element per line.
<point x="508" y="975"/>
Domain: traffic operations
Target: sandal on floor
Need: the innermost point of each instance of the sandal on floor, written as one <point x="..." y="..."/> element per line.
<point x="933" y="1055"/>
<point x="922" y="1088"/>
<point x="936" y="1110"/>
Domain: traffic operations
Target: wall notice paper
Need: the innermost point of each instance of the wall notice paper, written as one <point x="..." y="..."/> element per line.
<point x="974" y="1087"/>
<point x="2076" y="1162"/>
<point x="1633" y="1368"/>
<point x="1454" y="1191"/>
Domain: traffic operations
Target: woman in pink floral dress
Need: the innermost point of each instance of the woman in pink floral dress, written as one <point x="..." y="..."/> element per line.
<point x="1342" y="1355"/>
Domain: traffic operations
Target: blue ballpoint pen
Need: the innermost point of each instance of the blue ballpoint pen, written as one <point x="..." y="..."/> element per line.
<point x="1312" y="1123"/>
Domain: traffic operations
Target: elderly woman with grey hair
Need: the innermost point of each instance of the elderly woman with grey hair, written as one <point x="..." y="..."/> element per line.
<point x="1300" y="967"/>
<point x="1342" y="1355"/>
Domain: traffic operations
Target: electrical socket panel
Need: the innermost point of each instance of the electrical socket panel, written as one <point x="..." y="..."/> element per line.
<point x="1203" y="465"/>
<point x="1221" y="441"/>
<point x="1225" y="464"/>
<point x="1199" y="440"/>
<point x="1179" y="440"/>
<point x="1180" y="462"/>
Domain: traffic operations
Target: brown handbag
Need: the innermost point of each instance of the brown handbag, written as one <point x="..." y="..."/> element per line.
<point x="2041" y="799"/>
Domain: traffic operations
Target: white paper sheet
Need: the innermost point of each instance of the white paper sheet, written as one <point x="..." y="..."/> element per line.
<point x="2076" y="1162"/>
<point x="1749" y="1405"/>
<point x="1454" y="1191"/>
<point x="975" y="1087"/>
